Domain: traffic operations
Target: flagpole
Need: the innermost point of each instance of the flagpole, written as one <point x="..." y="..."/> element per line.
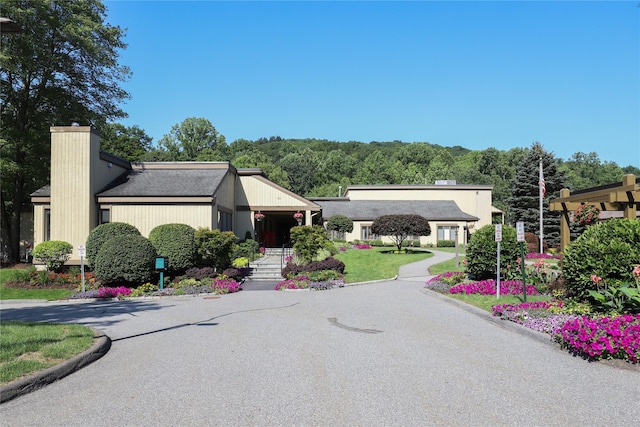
<point x="542" y="192"/>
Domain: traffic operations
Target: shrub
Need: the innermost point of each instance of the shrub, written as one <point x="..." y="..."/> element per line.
<point x="608" y="250"/>
<point x="53" y="253"/>
<point x="248" y="249"/>
<point x="330" y="263"/>
<point x="214" y="247"/>
<point x="129" y="258"/>
<point x="99" y="236"/>
<point x="200" y="273"/>
<point x="482" y="251"/>
<point x="445" y="243"/>
<point x="533" y="243"/>
<point x="309" y="241"/>
<point x="241" y="262"/>
<point x="177" y="243"/>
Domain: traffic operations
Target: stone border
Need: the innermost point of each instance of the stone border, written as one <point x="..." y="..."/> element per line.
<point x="100" y="347"/>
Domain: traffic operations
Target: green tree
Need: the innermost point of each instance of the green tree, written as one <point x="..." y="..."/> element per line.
<point x="376" y="169"/>
<point x="130" y="143"/>
<point x="253" y="158"/>
<point x="399" y="227"/>
<point x="586" y="171"/>
<point x="300" y="168"/>
<point x="63" y="68"/>
<point x="524" y="200"/>
<point x="341" y="224"/>
<point x="194" y="139"/>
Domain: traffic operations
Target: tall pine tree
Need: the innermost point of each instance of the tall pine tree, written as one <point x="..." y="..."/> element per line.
<point x="524" y="199"/>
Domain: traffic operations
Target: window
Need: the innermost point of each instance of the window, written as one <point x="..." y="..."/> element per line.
<point x="225" y="223"/>
<point x="446" y="232"/>
<point x="47" y="224"/>
<point x="104" y="216"/>
<point x="367" y="234"/>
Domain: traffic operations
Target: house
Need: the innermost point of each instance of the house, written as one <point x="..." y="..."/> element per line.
<point x="89" y="187"/>
<point x="451" y="209"/>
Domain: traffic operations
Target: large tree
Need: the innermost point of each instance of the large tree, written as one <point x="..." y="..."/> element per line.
<point x="194" y="139"/>
<point x="524" y="202"/>
<point x="399" y="227"/>
<point x="130" y="143"/>
<point x="62" y="68"/>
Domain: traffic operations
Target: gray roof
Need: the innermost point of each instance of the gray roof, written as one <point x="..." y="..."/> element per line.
<point x="441" y="210"/>
<point x="166" y="183"/>
<point x="42" y="192"/>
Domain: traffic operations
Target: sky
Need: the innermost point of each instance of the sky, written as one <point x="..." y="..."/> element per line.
<point x="476" y="74"/>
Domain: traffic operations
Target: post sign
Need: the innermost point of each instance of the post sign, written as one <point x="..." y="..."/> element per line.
<point x="498" y="232"/>
<point x="520" y="231"/>
<point x="82" y="251"/>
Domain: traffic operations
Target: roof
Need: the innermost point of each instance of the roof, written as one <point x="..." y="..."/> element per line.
<point x="435" y="210"/>
<point x="166" y="183"/>
<point x="42" y="192"/>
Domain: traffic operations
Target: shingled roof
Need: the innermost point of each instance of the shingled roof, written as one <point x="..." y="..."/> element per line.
<point x="362" y="210"/>
<point x="166" y="183"/>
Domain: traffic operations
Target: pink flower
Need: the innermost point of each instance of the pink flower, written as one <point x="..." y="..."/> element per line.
<point x="595" y="279"/>
<point x="636" y="271"/>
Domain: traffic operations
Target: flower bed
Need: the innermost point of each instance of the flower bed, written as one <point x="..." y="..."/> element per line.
<point x="591" y="337"/>
<point x="305" y="282"/>
<point x="488" y="287"/>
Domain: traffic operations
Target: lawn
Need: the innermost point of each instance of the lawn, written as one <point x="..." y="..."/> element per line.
<point x="376" y="263"/>
<point x="20" y="293"/>
<point x="27" y="347"/>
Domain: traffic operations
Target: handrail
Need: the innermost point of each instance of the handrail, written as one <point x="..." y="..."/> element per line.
<point x="287" y="250"/>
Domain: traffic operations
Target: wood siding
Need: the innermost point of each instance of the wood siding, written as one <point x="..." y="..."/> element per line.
<point x="146" y="217"/>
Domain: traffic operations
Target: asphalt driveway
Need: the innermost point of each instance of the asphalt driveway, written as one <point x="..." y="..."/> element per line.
<point x="380" y="354"/>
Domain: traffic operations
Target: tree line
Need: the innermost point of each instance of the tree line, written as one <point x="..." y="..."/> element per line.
<point x="64" y="67"/>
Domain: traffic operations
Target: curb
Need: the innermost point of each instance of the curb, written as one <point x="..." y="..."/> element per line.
<point x="100" y="347"/>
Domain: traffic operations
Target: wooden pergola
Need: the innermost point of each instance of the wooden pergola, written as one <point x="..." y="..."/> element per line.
<point x="620" y="196"/>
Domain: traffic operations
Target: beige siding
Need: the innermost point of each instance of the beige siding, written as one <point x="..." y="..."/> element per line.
<point x="72" y="202"/>
<point x="255" y="192"/>
<point x="147" y="217"/>
<point x="225" y="193"/>
<point x="38" y="224"/>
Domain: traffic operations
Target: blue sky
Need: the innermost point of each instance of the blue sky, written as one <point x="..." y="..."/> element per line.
<point x="476" y="74"/>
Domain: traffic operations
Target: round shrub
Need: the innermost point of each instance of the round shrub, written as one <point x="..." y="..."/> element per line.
<point x="482" y="251"/>
<point x="609" y="249"/>
<point x="99" y="236"/>
<point x="128" y="258"/>
<point x="340" y="223"/>
<point x="53" y="253"/>
<point x="176" y="242"/>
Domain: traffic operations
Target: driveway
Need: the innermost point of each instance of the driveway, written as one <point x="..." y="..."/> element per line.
<point x="380" y="354"/>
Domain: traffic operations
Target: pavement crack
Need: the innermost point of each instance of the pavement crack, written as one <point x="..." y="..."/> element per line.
<point x="335" y="322"/>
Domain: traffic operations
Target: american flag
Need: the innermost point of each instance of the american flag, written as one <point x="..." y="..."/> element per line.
<point x="543" y="188"/>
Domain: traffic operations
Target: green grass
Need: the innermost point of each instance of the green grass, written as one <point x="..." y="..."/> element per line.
<point x="449" y="265"/>
<point x="485" y="302"/>
<point x="17" y="293"/>
<point x="372" y="264"/>
<point x="27" y="347"/>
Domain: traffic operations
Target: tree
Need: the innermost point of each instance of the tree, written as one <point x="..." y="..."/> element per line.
<point x="341" y="224"/>
<point x="194" y="139"/>
<point x="524" y="202"/>
<point x="399" y="227"/>
<point x="308" y="242"/>
<point x="130" y="143"/>
<point x="300" y="168"/>
<point x="63" y="68"/>
<point x="586" y="171"/>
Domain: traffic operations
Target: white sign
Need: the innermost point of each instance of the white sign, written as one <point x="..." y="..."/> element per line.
<point x="82" y="251"/>
<point x="498" y="232"/>
<point x="520" y="231"/>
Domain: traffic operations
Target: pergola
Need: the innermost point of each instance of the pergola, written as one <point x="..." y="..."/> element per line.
<point x="620" y="196"/>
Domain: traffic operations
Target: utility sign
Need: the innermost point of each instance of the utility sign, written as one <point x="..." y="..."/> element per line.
<point x="498" y="232"/>
<point x="82" y="251"/>
<point x="520" y="231"/>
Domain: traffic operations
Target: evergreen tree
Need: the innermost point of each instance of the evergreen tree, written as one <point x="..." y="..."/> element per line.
<point x="524" y="200"/>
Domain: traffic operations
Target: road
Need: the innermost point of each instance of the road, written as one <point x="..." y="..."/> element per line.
<point x="380" y="354"/>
